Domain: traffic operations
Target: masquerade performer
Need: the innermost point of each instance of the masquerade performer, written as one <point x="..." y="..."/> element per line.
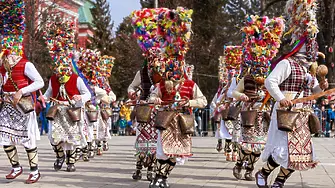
<point x="261" y="40"/>
<point x="67" y="92"/>
<point x="181" y="94"/>
<point x="293" y="77"/>
<point x="145" y="25"/>
<point x="227" y="129"/>
<point x="19" y="80"/>
<point x="95" y="70"/>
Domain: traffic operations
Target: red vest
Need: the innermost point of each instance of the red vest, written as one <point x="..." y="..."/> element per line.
<point x="18" y="76"/>
<point x="70" y="87"/>
<point x="186" y="90"/>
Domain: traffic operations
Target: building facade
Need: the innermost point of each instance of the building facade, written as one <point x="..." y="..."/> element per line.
<point x="76" y="10"/>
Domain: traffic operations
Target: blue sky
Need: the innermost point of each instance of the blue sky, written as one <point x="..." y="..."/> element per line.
<point x="122" y="8"/>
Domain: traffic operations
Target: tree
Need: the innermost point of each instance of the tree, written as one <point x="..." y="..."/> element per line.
<point x="35" y="48"/>
<point x="128" y="57"/>
<point x="103" y="27"/>
<point x="326" y="18"/>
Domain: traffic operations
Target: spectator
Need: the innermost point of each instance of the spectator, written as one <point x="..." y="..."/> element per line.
<point x="45" y="124"/>
<point x="323" y="119"/>
<point x="122" y="126"/>
<point x="330" y="119"/>
<point x="332" y="107"/>
<point x="317" y="112"/>
<point x="115" y="118"/>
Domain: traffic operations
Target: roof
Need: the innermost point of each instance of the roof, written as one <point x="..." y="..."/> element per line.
<point x="85" y="15"/>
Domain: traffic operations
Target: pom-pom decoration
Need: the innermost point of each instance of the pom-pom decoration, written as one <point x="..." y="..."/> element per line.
<point x="302" y="22"/>
<point x="174" y="35"/>
<point x="302" y="19"/>
<point x="89" y="64"/>
<point x="155" y="61"/>
<point x="12" y="26"/>
<point x="232" y="57"/>
<point x="145" y="27"/>
<point x="107" y="64"/>
<point x="168" y="30"/>
<point x="59" y="35"/>
<point x="261" y="41"/>
<point x="174" y="32"/>
<point x="223" y="71"/>
<point x="95" y="68"/>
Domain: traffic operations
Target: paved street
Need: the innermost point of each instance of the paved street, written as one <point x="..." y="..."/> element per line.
<point x="206" y="169"/>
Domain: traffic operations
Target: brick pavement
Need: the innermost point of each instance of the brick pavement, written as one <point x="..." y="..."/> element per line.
<point x="206" y="168"/>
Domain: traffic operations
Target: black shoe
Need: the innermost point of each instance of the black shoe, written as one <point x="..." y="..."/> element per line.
<point x="91" y="154"/>
<point x="86" y="158"/>
<point x="59" y="163"/>
<point x="159" y="182"/>
<point x="71" y="168"/>
<point x="137" y="175"/>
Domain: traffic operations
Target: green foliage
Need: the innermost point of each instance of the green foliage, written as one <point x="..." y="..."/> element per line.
<point x="128" y="58"/>
<point x="103" y="27"/>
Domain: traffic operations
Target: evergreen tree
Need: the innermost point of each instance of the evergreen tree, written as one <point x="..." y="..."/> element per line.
<point x="103" y="27"/>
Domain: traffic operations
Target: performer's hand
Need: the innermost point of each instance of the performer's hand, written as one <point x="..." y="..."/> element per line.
<point x="244" y="98"/>
<point x="158" y="101"/>
<point x="132" y="95"/>
<point x="324" y="85"/>
<point x="286" y="103"/>
<point x="76" y="98"/>
<point x="184" y="103"/>
<point x="17" y="97"/>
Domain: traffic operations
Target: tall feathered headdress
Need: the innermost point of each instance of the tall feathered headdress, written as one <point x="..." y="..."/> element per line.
<point x="12" y="26"/>
<point x="302" y="24"/>
<point x="261" y="41"/>
<point x="59" y="35"/>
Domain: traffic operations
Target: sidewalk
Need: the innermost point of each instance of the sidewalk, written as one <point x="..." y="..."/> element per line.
<point x="206" y="168"/>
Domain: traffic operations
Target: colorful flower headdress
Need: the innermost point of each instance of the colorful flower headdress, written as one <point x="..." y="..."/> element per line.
<point x="232" y="56"/>
<point x="261" y="41"/>
<point x="174" y="35"/>
<point x="89" y="64"/>
<point x="168" y="30"/>
<point x="12" y="26"/>
<point x="303" y="24"/>
<point x="94" y="67"/>
<point x="145" y="27"/>
<point x="60" y="38"/>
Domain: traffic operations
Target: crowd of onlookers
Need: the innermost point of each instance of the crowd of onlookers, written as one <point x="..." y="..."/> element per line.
<point x="122" y="124"/>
